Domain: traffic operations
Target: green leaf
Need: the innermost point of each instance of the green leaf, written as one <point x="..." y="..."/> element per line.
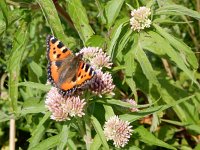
<point x="180" y="46"/>
<point x="123" y="42"/>
<point x="63" y="137"/>
<point x="39" y="86"/>
<point x="71" y="145"/>
<point x="114" y="37"/>
<point x="194" y="127"/>
<point x="14" y="63"/>
<point x="79" y="17"/>
<point x="2" y="26"/>
<point x="96" y="143"/>
<point x="37" y="108"/>
<point x="112" y="10"/>
<point x="183" y="49"/>
<point x="38" y="133"/>
<point x="156" y="44"/>
<point x="96" y="41"/>
<point x="4" y="117"/>
<point x="197" y="147"/>
<point x="5" y="10"/>
<point x="52" y="18"/>
<point x="142" y="113"/>
<point x="145" y="64"/>
<point x="153" y="42"/>
<point x="130" y="70"/>
<point x="134" y="148"/>
<point x="177" y="10"/>
<point x="47" y="143"/>
<point x="98" y="129"/>
<point x="36" y="69"/>
<point x="147" y="137"/>
<point x="108" y="111"/>
<point x="115" y="102"/>
<point x="101" y="11"/>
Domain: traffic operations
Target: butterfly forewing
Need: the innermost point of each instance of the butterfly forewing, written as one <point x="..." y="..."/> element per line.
<point x="66" y="71"/>
<point x="56" y="49"/>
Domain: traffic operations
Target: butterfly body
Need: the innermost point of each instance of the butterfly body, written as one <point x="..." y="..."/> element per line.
<point x="66" y="71"/>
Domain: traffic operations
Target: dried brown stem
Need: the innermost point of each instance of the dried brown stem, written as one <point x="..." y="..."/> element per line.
<point x="12" y="134"/>
<point x="167" y="68"/>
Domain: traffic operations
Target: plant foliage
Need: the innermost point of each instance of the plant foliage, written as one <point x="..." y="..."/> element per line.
<point x="158" y="67"/>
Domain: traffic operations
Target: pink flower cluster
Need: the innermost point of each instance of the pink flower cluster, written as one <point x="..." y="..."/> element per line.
<point x="139" y="18"/>
<point x="63" y="108"/>
<point x="133" y="103"/>
<point x="96" y="57"/>
<point x="102" y="82"/>
<point x="117" y="130"/>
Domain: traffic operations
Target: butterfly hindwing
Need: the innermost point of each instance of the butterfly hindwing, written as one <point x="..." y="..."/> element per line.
<point x="85" y="73"/>
<point x="66" y="71"/>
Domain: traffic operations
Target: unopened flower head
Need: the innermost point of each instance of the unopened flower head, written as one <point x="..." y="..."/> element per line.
<point x="96" y="57"/>
<point x="102" y="83"/>
<point x="64" y="108"/>
<point x="133" y="103"/>
<point x="117" y="130"/>
<point x="139" y="18"/>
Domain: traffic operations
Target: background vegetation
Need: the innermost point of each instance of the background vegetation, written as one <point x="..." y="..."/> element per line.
<point x="158" y="67"/>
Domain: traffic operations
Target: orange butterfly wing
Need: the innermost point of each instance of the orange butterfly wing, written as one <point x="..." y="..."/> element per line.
<point x="66" y="71"/>
<point x="55" y="51"/>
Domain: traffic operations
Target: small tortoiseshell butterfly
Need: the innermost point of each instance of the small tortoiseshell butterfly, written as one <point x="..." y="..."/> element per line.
<point x="66" y="71"/>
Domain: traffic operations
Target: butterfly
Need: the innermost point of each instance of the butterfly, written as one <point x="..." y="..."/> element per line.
<point x="66" y="71"/>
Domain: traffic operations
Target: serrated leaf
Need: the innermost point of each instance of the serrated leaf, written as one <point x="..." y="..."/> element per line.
<point x="52" y="18"/>
<point x="38" y="133"/>
<point x="160" y="46"/>
<point x="177" y="10"/>
<point x="114" y="37"/>
<point x="194" y="127"/>
<point x="112" y="10"/>
<point x="2" y="26"/>
<point x="71" y="145"/>
<point x="123" y="42"/>
<point x="140" y="114"/>
<point x="129" y="71"/>
<point x="79" y="17"/>
<point x="96" y="41"/>
<point x="48" y="143"/>
<point x="63" y="137"/>
<point x="108" y="111"/>
<point x="14" y="62"/>
<point x="151" y="41"/>
<point x="96" y="143"/>
<point x="99" y="131"/>
<point x="4" y="117"/>
<point x="39" y="108"/>
<point x="147" y="137"/>
<point x="180" y="46"/>
<point x="39" y="86"/>
<point x="5" y="10"/>
<point x="145" y="64"/>
<point x="36" y="69"/>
